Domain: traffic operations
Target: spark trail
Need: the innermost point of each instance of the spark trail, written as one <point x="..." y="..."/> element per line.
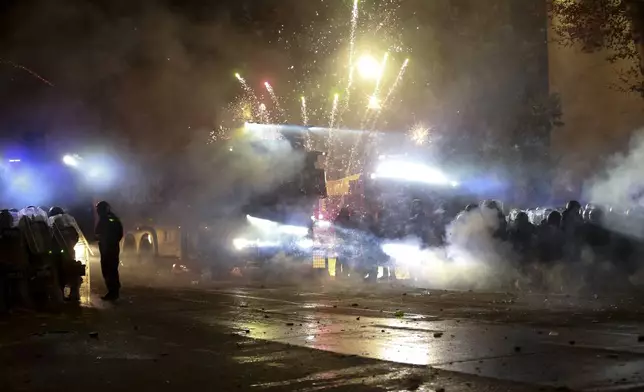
<point x="334" y="111"/>
<point x="332" y="118"/>
<point x="352" y="45"/>
<point x="373" y="136"/>
<point x="305" y="122"/>
<point x="390" y="93"/>
<point x="374" y="105"/>
<point x="305" y="115"/>
<point x="250" y="93"/>
<point x="32" y="73"/>
<point x="275" y="100"/>
<point x="263" y="114"/>
<point x="374" y="101"/>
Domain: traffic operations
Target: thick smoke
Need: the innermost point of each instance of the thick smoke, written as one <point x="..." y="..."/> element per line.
<point x="228" y="175"/>
<point x="143" y="79"/>
<point x="471" y="259"/>
<point x="621" y="184"/>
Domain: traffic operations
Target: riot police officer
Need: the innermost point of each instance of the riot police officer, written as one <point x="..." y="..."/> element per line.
<point x="493" y="207"/>
<point x="521" y="233"/>
<point x="109" y="232"/>
<point x="572" y="225"/>
<point x="65" y="237"/>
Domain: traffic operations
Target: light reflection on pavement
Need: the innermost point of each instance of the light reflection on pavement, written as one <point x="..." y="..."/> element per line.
<point x="580" y="355"/>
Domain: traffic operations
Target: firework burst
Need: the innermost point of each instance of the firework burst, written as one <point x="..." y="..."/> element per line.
<point x="357" y="105"/>
<point x="419" y="134"/>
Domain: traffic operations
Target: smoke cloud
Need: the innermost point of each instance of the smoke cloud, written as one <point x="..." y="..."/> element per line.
<point x="621" y="182"/>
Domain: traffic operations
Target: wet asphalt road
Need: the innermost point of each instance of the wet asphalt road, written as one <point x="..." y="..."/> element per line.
<point x="328" y="337"/>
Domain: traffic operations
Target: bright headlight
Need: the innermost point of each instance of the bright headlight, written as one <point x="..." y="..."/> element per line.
<point x="262" y="223"/>
<point x="294" y="230"/>
<point x="323" y="224"/>
<point x="403" y="253"/>
<point x="413" y="172"/>
<point x="240" y="243"/>
<point x="305" y="243"/>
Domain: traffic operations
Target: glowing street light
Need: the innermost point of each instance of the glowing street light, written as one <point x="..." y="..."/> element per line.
<point x="368" y="67"/>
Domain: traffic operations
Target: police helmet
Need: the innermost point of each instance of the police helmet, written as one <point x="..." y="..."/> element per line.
<point x="6" y="219"/>
<point x="492" y="204"/>
<point x="521" y="218"/>
<point x="554" y="218"/>
<point x="596" y="216"/>
<point x="53" y="211"/>
<point x="573" y="204"/>
<point x="103" y="207"/>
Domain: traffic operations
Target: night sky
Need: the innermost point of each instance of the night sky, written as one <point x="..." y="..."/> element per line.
<point x="120" y="71"/>
<point x="125" y="70"/>
<point x="151" y="78"/>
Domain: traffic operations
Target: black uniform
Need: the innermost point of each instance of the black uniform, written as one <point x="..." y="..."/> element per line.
<point x="109" y="231"/>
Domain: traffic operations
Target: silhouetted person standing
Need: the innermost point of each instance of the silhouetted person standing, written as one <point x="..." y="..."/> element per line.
<point x="109" y="232"/>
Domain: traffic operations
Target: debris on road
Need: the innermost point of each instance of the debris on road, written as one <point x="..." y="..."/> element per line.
<point x="399" y="314"/>
<point x="438" y="334"/>
<point x="93" y="335"/>
<point x="289" y="324"/>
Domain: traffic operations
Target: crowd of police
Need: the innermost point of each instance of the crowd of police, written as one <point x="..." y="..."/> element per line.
<point x="37" y="258"/>
<point x="548" y="235"/>
<point x="539" y="235"/>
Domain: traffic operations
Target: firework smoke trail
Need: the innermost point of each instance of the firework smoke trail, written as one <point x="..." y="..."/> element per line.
<point x="305" y="122"/>
<point x="334" y="111"/>
<point x="352" y="44"/>
<point x="251" y="94"/>
<point x="332" y="118"/>
<point x="305" y="115"/>
<point x="392" y="89"/>
<point x="275" y="100"/>
<point x="373" y="105"/>
<point x="264" y="117"/>
<point x="22" y="67"/>
<point x="374" y="101"/>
